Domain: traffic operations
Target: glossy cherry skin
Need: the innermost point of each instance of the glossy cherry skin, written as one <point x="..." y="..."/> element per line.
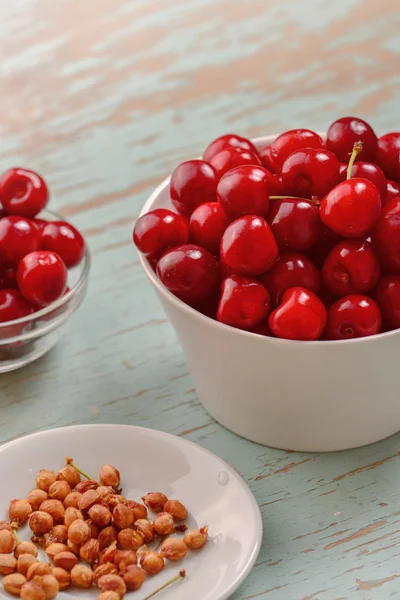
<point x="290" y="141"/>
<point x="230" y="158"/>
<point x="386" y="237"/>
<point x="23" y="193"/>
<point x="244" y="191"/>
<point x="368" y="171"/>
<point x="387" y="295"/>
<point x="353" y="316"/>
<point x="42" y="277"/>
<point x="352" y="267"/>
<point x="393" y="190"/>
<point x="268" y="162"/>
<point x="158" y="231"/>
<point x="248" y="246"/>
<point x="295" y="224"/>
<point x="300" y="316"/>
<point x="18" y="236"/>
<point x="207" y="224"/>
<point x="8" y="277"/>
<point x="310" y="172"/>
<point x="40" y="223"/>
<point x="192" y="183"/>
<point x="352" y="208"/>
<point x="244" y="302"/>
<point x="65" y="240"/>
<point x="228" y="141"/>
<point x="13" y="306"/>
<point x="291" y="270"/>
<point x="345" y="132"/>
<point x="388" y="156"/>
<point x="190" y="272"/>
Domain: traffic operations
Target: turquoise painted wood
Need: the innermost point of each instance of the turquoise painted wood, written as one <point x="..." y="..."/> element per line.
<point x="104" y="97"/>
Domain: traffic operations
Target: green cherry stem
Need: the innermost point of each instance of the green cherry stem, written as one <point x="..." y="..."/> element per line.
<point x="70" y="461"/>
<point x="358" y="146"/>
<point x="181" y="575"/>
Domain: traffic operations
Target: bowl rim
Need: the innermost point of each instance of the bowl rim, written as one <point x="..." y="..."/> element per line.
<point x="207" y="321"/>
<point x="79" y="284"/>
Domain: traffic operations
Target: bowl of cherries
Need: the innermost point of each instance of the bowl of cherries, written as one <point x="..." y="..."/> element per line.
<point x="277" y="261"/>
<point x="44" y="267"/>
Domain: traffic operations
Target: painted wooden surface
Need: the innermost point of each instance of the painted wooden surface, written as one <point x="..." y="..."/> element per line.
<point x="104" y="97"/>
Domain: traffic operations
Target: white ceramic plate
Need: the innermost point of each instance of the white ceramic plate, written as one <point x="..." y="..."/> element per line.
<point x="149" y="460"/>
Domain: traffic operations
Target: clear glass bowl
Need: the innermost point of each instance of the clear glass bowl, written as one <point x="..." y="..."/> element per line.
<point x="25" y="340"/>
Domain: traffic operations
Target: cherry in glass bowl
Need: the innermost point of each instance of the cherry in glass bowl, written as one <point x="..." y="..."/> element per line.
<point x="23" y="341"/>
<point x="306" y="396"/>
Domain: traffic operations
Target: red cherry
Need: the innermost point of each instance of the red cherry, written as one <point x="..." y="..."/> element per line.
<point x="352" y="267"/>
<point x="295" y="224"/>
<point x="23" y="193"/>
<point x="300" y="316"/>
<point x="386" y="237"/>
<point x="158" y="231"/>
<point x="291" y="270"/>
<point x="368" y="171"/>
<point x="65" y="240"/>
<point x="42" y="277"/>
<point x="244" y="302"/>
<point x="248" y="246"/>
<point x="262" y="329"/>
<point x="13" y="306"/>
<point x="353" y="316"/>
<point x="290" y="141"/>
<point x="190" y="272"/>
<point x="310" y="172"/>
<point x="388" y="155"/>
<point x="231" y="157"/>
<point x="18" y="236"/>
<point x="209" y="305"/>
<point x="207" y="224"/>
<point x="8" y="277"/>
<point x="327" y="241"/>
<point x="352" y="208"/>
<point x="393" y="191"/>
<point x="40" y="223"/>
<point x="228" y="141"/>
<point x="244" y="191"/>
<point x="326" y="297"/>
<point x="345" y="132"/>
<point x="224" y="270"/>
<point x="192" y="183"/>
<point x="268" y="162"/>
<point x="387" y="295"/>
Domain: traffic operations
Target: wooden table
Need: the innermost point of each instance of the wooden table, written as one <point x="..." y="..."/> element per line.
<point x="104" y="97"/>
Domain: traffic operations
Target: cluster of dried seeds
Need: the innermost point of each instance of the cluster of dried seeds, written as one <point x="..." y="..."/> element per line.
<point x="92" y="536"/>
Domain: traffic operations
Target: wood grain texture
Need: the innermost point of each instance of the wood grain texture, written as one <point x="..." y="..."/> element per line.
<point x="104" y="97"/>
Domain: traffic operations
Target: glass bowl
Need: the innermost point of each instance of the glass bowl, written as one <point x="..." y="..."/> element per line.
<point x="24" y="340"/>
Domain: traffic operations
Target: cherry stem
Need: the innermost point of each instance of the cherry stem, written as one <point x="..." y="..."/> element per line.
<point x="14" y="527"/>
<point x="70" y="461"/>
<point x="358" y="146"/>
<point x="310" y="200"/>
<point x="180" y="575"/>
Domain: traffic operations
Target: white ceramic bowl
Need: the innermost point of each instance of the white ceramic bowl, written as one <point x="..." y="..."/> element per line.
<point x="306" y="396"/>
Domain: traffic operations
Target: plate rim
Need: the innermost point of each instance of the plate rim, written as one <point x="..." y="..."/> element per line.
<point x="237" y="582"/>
